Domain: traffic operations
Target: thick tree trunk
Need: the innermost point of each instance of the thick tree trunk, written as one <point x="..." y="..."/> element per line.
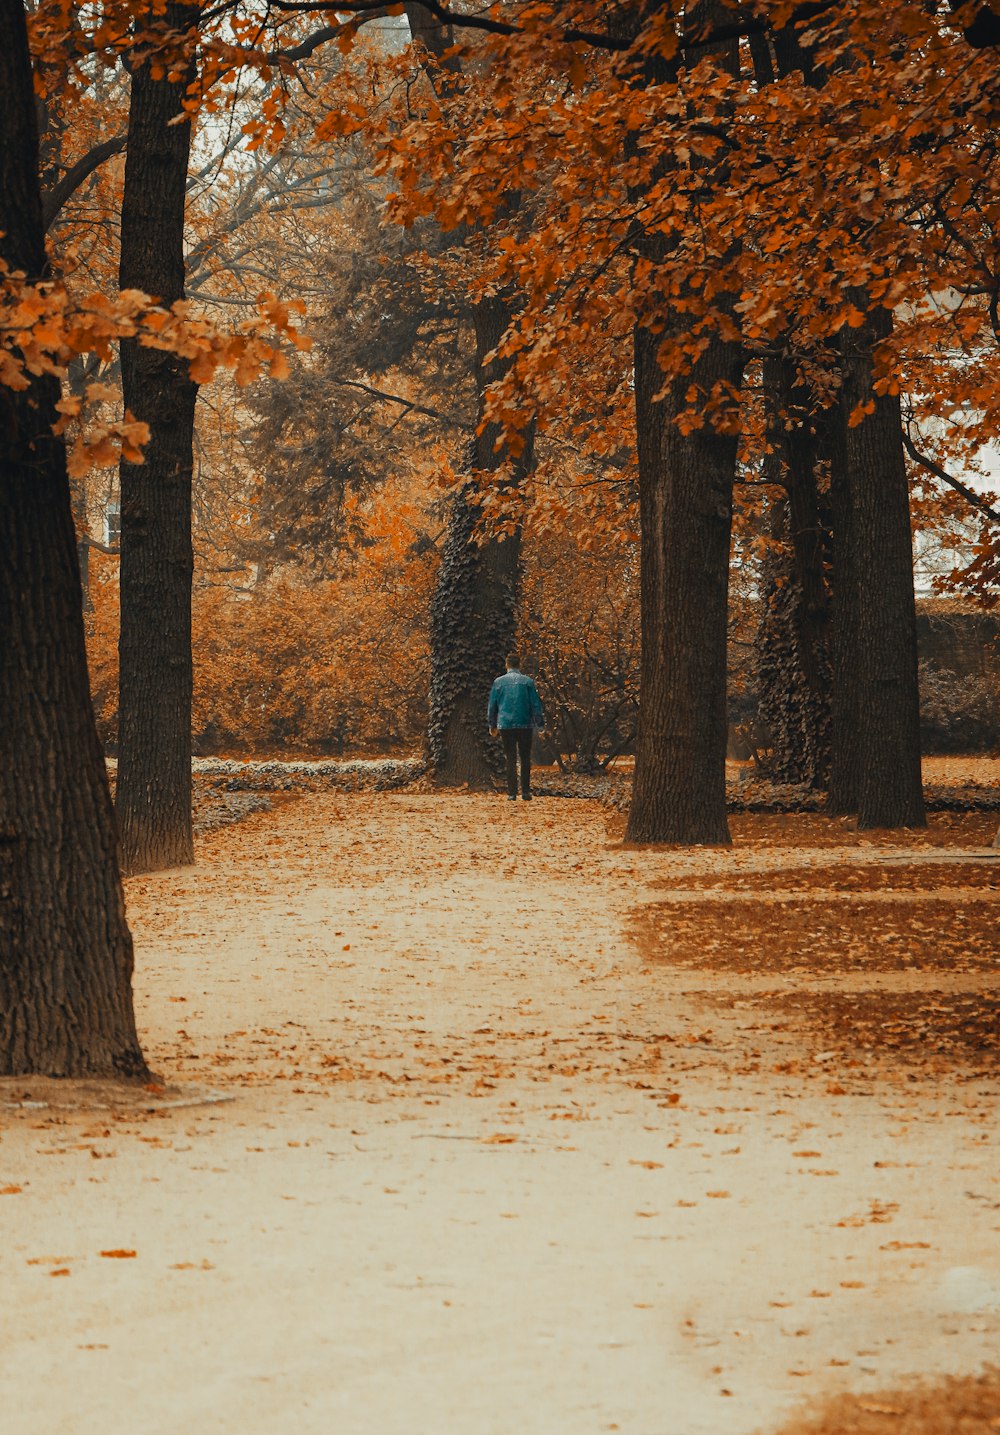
<point x="685" y="507"/>
<point x="890" y="793"/>
<point x="474" y="612"/>
<point x="65" y="949"/>
<point x="154" y="712"/>
<point x="685" y="511"/>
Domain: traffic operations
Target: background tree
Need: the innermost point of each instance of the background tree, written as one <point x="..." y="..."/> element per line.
<point x="153" y="795"/>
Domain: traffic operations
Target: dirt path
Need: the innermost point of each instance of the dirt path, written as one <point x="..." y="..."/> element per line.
<point x="494" y="1156"/>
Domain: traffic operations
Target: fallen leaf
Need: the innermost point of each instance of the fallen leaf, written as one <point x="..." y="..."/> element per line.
<point x="118" y="1255"/>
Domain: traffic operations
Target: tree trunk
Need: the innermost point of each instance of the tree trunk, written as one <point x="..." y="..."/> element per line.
<point x="65" y="949"/>
<point x="155" y="684"/>
<point x="890" y="793"/>
<point x="474" y="612"/>
<point x="685" y="513"/>
<point x="875" y="720"/>
<point x="845" y="751"/>
<point x="793" y="659"/>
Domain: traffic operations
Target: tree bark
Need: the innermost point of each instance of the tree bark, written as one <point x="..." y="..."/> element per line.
<point x="474" y="612"/>
<point x="793" y="658"/>
<point x="890" y="793"/>
<point x="875" y="721"/>
<point x="65" y="948"/>
<point x="685" y="513"/>
<point x="845" y="711"/>
<point x="156" y="677"/>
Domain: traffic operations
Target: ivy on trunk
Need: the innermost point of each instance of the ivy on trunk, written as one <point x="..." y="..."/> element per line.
<point x="474" y="611"/>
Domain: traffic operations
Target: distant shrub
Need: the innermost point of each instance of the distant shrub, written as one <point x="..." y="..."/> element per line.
<point x="958" y="714"/>
<point x="321" y="666"/>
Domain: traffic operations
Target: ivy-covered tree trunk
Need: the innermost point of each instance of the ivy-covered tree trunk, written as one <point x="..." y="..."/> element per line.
<point x="155" y="685"/>
<point x="890" y="792"/>
<point x="793" y="657"/>
<point x="65" y="949"/>
<point x="474" y="611"/>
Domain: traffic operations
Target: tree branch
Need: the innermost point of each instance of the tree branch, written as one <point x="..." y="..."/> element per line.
<point x="970" y="496"/>
<point x="54" y="198"/>
<point x="693" y="41"/>
<point x="406" y="404"/>
<point x="90" y="542"/>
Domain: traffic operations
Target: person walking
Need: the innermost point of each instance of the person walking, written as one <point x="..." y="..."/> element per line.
<point x="514" y="712"/>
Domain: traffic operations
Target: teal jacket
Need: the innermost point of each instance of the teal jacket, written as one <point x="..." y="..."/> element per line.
<point x="514" y="702"/>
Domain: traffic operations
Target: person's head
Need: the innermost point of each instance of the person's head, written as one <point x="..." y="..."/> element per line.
<point x="513" y="662"/>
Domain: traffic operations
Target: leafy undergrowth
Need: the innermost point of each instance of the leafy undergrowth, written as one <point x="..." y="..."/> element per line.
<point x="967" y="1405"/>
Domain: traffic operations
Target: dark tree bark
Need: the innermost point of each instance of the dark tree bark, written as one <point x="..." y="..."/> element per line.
<point x="889" y="792"/>
<point x="65" y="949"/>
<point x="685" y="510"/>
<point x="474" y="611"/>
<point x="875" y="756"/>
<point x="845" y="711"/>
<point x="793" y="657"/>
<point x="154" y="713"/>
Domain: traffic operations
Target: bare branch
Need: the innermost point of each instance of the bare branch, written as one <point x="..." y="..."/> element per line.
<point x="407" y="404"/>
<point x="970" y="496"/>
<point x="53" y="199"/>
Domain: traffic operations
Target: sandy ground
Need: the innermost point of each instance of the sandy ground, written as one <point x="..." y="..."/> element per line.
<point x="444" y="1147"/>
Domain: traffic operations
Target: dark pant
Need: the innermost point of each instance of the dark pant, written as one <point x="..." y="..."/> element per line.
<point x="517" y="740"/>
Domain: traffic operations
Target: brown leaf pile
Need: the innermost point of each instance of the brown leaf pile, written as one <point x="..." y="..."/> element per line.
<point x="789" y="935"/>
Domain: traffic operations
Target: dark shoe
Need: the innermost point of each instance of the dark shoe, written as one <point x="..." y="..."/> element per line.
<point x="512" y="797"/>
<point x="525" y="796"/>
